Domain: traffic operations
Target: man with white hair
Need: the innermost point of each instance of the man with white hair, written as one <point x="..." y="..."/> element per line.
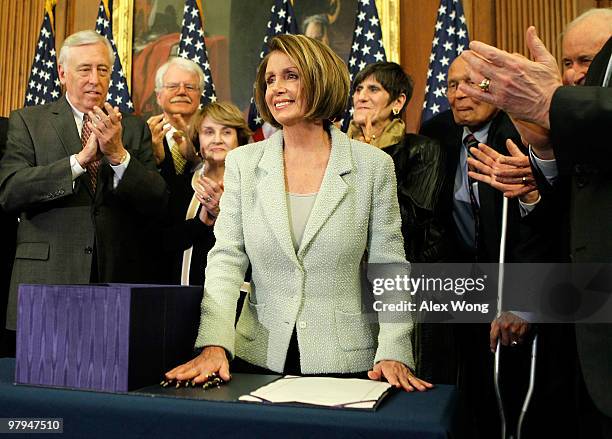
<point x="83" y="180"/>
<point x="178" y="86"/>
<point x="583" y="38"/>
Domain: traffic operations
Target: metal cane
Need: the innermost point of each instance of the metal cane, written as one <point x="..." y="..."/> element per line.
<point x="534" y="346"/>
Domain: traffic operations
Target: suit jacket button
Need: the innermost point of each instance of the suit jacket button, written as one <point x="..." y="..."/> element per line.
<point x="302" y="325"/>
<point x="88" y="250"/>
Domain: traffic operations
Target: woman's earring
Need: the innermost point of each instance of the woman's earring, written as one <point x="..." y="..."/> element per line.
<point x="395" y="111"/>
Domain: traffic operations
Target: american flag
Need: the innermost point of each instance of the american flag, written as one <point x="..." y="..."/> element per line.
<point x="192" y="46"/>
<point x="282" y="21"/>
<point x="118" y="93"/>
<point x="450" y="39"/>
<point x="367" y="46"/>
<point x="44" y="85"/>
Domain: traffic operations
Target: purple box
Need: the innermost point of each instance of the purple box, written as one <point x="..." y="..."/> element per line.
<point x="111" y="338"/>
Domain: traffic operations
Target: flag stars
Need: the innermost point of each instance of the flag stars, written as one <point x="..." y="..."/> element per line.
<point x="448" y="46"/>
<point x="442" y="10"/>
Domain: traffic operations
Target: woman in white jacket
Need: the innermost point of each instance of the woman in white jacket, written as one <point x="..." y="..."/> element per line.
<point x="303" y="207"/>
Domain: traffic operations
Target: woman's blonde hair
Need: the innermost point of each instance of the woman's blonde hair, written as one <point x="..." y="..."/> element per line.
<point x="224" y="113"/>
<point x="324" y="78"/>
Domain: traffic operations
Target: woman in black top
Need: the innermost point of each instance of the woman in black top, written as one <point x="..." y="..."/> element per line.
<point x="381" y="92"/>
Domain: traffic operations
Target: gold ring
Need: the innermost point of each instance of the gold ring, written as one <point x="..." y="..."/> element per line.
<point x="484" y="85"/>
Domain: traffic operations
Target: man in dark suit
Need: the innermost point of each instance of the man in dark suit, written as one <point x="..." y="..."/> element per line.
<point x="8" y="228"/>
<point x="475" y="239"/>
<point x="178" y="86"/>
<point x="571" y="126"/>
<point x="474" y="213"/>
<point x="82" y="178"/>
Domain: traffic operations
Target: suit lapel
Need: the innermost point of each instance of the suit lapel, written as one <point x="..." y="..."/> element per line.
<point x="65" y="127"/>
<point x="333" y="187"/>
<point x="271" y="192"/>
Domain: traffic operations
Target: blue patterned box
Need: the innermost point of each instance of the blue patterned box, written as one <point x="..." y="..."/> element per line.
<point x="111" y="338"/>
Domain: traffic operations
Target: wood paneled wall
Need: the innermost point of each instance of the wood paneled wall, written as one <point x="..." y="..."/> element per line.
<point x="548" y="16"/>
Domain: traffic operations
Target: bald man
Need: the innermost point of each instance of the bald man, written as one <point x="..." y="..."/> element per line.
<point x="583" y="38"/>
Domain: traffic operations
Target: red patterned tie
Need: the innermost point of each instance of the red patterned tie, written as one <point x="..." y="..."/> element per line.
<point x="92" y="168"/>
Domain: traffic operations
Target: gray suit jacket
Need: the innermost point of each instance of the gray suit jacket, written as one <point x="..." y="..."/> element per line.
<point x="60" y="225"/>
<point x="317" y="289"/>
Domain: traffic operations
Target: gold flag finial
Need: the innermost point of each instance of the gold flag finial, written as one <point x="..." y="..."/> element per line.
<point x="200" y="10"/>
<point x="49" y="5"/>
<point x="108" y="14"/>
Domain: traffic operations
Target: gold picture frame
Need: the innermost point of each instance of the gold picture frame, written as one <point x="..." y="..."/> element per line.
<point x="123" y="19"/>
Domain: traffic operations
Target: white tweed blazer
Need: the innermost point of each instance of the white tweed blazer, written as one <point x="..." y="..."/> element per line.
<point x="317" y="289"/>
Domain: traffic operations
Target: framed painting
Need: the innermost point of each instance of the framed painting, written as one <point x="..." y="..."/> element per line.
<point x="147" y="33"/>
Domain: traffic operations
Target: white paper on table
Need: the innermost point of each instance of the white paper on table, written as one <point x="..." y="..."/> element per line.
<point x="321" y="391"/>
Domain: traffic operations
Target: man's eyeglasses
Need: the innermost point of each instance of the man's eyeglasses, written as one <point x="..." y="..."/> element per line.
<point x="190" y="88"/>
